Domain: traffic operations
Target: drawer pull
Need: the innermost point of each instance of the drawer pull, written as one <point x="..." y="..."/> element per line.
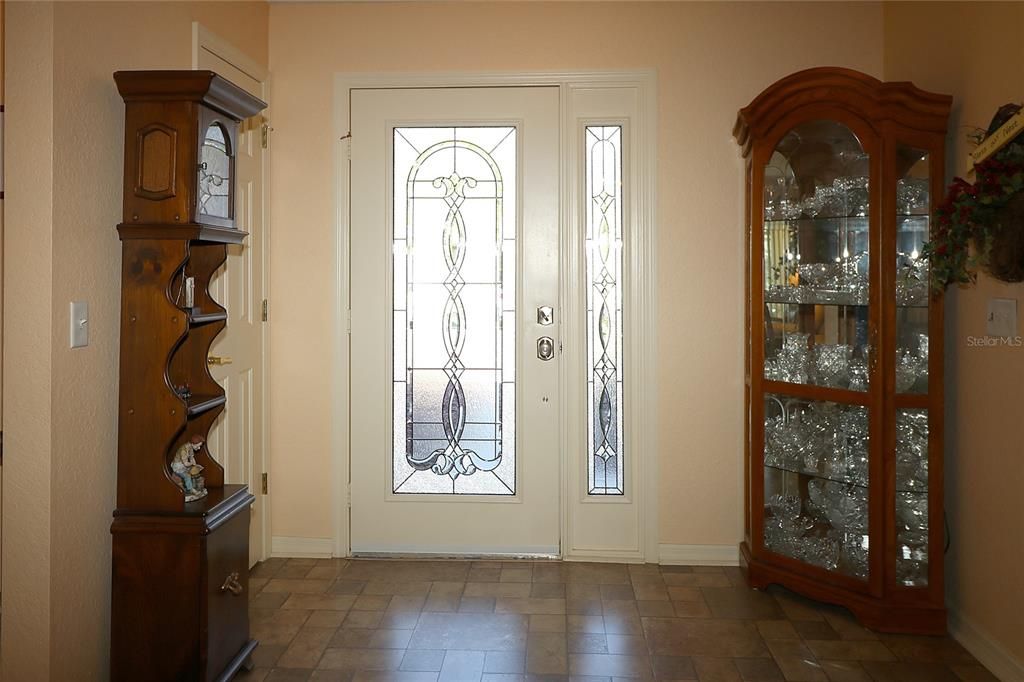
<point x="232" y="585"/>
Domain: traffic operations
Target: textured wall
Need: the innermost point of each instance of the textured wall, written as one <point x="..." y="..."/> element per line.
<point x="28" y="242"/>
<point x="711" y="58"/>
<point x="89" y="42"/>
<point x="974" y="51"/>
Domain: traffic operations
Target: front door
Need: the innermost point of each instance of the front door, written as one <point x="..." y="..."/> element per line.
<point x="454" y="294"/>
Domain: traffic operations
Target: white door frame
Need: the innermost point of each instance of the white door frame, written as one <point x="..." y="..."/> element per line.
<point x="641" y="335"/>
<point x="205" y="39"/>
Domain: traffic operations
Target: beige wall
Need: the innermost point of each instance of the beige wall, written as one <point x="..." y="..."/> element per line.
<point x="975" y="52"/>
<point x="27" y="354"/>
<point x="712" y="58"/>
<point x="61" y="423"/>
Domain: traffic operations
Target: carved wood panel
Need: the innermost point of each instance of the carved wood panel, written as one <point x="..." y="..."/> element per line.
<point x="156" y="145"/>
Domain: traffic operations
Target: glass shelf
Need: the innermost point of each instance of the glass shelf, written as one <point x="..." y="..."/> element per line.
<point x="836" y="298"/>
<point x="813" y="297"/>
<point x="806" y="296"/>
<point x="844" y="481"/>
<point x="854" y="222"/>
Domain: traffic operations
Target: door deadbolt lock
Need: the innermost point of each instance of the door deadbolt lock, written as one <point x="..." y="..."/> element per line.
<point x="545" y="348"/>
<point x="545" y="315"/>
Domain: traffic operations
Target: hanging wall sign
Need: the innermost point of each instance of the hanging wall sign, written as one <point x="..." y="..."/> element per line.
<point x="997" y="140"/>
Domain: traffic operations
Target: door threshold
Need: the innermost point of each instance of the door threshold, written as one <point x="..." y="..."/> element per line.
<point x="449" y="556"/>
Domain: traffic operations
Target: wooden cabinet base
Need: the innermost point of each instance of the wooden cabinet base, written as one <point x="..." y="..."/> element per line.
<point x="876" y="614"/>
<point x="180" y="590"/>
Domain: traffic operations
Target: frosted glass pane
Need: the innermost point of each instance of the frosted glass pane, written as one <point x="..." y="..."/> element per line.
<point x="605" y="468"/>
<point x="454" y="334"/>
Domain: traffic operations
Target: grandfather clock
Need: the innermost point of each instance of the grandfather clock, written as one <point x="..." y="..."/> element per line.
<point x="180" y="535"/>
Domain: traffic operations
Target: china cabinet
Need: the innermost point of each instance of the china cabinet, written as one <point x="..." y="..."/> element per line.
<point x="844" y="349"/>
<point x="180" y="535"/>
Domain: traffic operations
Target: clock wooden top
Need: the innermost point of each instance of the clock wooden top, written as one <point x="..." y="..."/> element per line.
<point x="205" y="87"/>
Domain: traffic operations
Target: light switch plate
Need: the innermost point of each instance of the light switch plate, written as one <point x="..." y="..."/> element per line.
<point x="79" y="324"/>
<point x="1002" y="317"/>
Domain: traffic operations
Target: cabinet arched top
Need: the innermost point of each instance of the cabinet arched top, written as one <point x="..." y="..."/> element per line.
<point x="865" y="96"/>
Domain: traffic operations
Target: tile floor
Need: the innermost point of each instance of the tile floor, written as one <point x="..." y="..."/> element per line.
<point x="483" y="621"/>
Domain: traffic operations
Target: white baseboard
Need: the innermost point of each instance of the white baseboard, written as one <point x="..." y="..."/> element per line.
<point x="699" y="555"/>
<point x="604" y="556"/>
<point x="983" y="647"/>
<point x="305" y="548"/>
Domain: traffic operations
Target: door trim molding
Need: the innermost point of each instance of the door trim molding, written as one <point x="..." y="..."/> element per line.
<point x="205" y="39"/>
<point x="642" y="356"/>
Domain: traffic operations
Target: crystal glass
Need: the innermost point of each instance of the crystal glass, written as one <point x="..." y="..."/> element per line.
<point x="793" y="358"/>
<point x="816" y="477"/>
<point x="816" y="257"/>
<point x="912" y="291"/>
<point x="774" y="191"/>
<point x="832" y="364"/>
<point x="912" y="195"/>
<point x="912" y="497"/>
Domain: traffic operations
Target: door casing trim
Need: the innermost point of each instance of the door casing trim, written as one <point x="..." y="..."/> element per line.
<point x="641" y="356"/>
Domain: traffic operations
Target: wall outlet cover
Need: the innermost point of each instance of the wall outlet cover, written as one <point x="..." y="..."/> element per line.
<point x="1002" y="317"/>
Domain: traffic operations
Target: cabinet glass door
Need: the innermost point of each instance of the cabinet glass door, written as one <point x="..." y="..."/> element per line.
<point x="913" y="203"/>
<point x="816" y="348"/>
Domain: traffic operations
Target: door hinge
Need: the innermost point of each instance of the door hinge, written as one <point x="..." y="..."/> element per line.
<point x="265" y="310"/>
<point x="265" y="135"/>
<point x="347" y="140"/>
<point x="348" y="496"/>
<point x="348" y="322"/>
<point x="263" y="484"/>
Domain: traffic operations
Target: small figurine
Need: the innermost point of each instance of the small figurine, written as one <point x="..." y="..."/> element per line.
<point x="187" y="473"/>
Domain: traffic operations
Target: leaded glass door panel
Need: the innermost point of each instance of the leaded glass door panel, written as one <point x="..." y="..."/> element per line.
<point x="454" y="247"/>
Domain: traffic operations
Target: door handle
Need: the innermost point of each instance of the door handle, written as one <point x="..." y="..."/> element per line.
<point x="218" y="360"/>
<point x="545" y="348"/>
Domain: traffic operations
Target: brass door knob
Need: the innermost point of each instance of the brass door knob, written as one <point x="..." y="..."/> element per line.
<point x="218" y="360"/>
<point x="232" y="585"/>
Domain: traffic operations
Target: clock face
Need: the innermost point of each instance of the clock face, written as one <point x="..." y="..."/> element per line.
<point x="215" y="173"/>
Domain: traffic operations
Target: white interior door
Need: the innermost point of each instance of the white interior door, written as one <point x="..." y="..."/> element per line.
<point x="236" y="439"/>
<point x="454" y="248"/>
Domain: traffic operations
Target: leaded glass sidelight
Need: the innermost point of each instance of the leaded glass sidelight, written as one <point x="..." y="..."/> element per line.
<point x="454" y="232"/>
<point x="604" y="309"/>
